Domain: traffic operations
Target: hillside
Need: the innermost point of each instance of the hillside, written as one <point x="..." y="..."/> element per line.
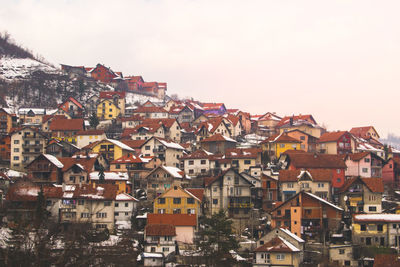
<point x="26" y="81"/>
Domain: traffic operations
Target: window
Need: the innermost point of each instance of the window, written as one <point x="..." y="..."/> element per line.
<point x="305" y="185"/>
<point x="215" y="201"/>
<point x="118" y="166"/>
<point x="101" y="215"/>
<point x="126" y="205"/>
<point x="85" y="215"/>
<point x="16" y="158"/>
<point x="280" y="257"/>
<point x="161" y="200"/>
<point x="363" y="227"/>
<point x="16" y="149"/>
<point x="290" y="185"/>
<point x="147" y="147"/>
<point x="341" y="251"/>
<point x="191" y="162"/>
<point x="338" y="171"/>
<point x="81" y="201"/>
<point x="203" y="161"/>
<point x="366" y="160"/>
<point x="177" y="211"/>
<point x="236" y="179"/>
<point x="215" y="189"/>
<point x="320" y="185"/>
<point x="191" y="211"/>
<point x="372" y="208"/>
<point x="116" y="204"/>
<point x="165" y="249"/>
<point x="116" y="213"/>
<point x="177" y="200"/>
<point x="380" y="227"/>
<point x="279" y="212"/>
<point x="191" y="171"/>
<point x="161" y="211"/>
<point x="107" y="203"/>
<point x="364" y="170"/>
<point x="247" y="162"/>
<point x="190" y="200"/>
<point x="302" y="137"/>
<point x="16" y="142"/>
<point x="338" y="180"/>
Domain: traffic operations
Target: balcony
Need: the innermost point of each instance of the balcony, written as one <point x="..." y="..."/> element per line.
<point x="240" y="205"/>
<point x="160" y="149"/>
<point x="40" y="145"/>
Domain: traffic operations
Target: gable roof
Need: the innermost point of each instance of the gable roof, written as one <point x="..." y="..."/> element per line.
<point x="297" y="118"/>
<point x="242" y="153"/>
<point x="375" y="185"/>
<point x="150" y="110"/>
<point x="212" y="106"/>
<point x="357" y="156"/>
<point x="269" y="116"/>
<point x="362" y="132"/>
<point x="280" y="138"/>
<point x="135" y="144"/>
<point x="218" y="138"/>
<point x="277" y="244"/>
<point x="173" y="219"/>
<point x="100" y="192"/>
<point x="197" y="192"/>
<point x="210" y="180"/>
<point x="168" y="123"/>
<point x="198" y="154"/>
<point x="128" y="158"/>
<point x="87" y="164"/>
<point x="317" y="175"/>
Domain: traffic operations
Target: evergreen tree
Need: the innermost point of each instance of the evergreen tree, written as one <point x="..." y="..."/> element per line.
<point x="40" y="209"/>
<point x="101" y="175"/>
<point x="93" y="121"/>
<point x="216" y="238"/>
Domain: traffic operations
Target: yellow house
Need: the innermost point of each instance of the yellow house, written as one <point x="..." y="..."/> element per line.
<point x="177" y="200"/>
<point x="278" y="144"/>
<point x="107" y="110"/>
<point x="111" y="149"/>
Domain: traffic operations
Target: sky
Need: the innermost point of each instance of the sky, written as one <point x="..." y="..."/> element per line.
<point x="337" y="60"/>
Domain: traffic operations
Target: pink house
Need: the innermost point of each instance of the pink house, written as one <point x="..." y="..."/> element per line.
<point x="363" y="164"/>
<point x="391" y="172"/>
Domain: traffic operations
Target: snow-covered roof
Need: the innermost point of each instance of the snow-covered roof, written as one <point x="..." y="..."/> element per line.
<point x="110" y="176"/>
<point x="144" y="216"/>
<point x="382" y="217"/>
<point x="152" y="255"/>
<point x="229" y="139"/>
<point x="125" y="197"/>
<point x="11" y="173"/>
<point x="171" y="144"/>
<point x="298" y="239"/>
<point x="290" y="245"/>
<point x="175" y="172"/>
<point x="54" y="160"/>
<point x="324" y="201"/>
<point x="120" y="144"/>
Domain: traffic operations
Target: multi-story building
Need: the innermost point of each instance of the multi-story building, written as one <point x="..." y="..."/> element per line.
<point x="244" y="158"/>
<point x="163" y="178"/>
<point x="275" y="145"/>
<point x="364" y="164"/>
<point x="307" y="216"/>
<point x="197" y="163"/>
<point x="177" y="200"/>
<point x="26" y="144"/>
<point x="160" y="238"/>
<point x="218" y="143"/>
<point x="66" y="129"/>
<point x="125" y="206"/>
<point x="7" y="120"/>
<point x="340" y="142"/>
<point x="110" y="149"/>
<point x="45" y="169"/>
<point x="167" y="151"/>
<point x="362" y="195"/>
<point x="84" y="138"/>
<point x="315" y="181"/>
<point x="376" y="230"/>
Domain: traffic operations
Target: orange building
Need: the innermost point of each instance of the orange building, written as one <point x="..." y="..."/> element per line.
<point x="7" y="119"/>
<point x="308" y="142"/>
<point x="307" y="216"/>
<point x="5" y="148"/>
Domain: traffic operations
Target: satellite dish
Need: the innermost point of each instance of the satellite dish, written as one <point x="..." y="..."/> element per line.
<point x="345" y="198"/>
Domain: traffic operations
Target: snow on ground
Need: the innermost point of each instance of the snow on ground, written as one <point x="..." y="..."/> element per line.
<point x="132" y="98"/>
<point x="16" y="68"/>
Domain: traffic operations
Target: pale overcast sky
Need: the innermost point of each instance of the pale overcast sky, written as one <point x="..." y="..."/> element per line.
<point x="338" y="60"/>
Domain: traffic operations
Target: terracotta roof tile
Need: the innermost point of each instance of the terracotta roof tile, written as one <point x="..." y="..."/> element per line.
<point x="275" y="245"/>
<point x="373" y="184"/>
<point x="331" y="136"/>
<point x="174" y="219"/>
<point x="160" y="230"/>
<point x="197" y="192"/>
<point x="358" y="156"/>
<point x="286" y="120"/>
<point x="242" y="153"/>
<point x="67" y="125"/>
<point x="315" y="161"/>
<point x="217" y="138"/>
<point x="128" y="158"/>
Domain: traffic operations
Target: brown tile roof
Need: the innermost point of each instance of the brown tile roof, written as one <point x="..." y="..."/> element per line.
<point x="318" y="175"/>
<point x="24" y="193"/>
<point x="86" y="163"/>
<point x="197" y="192"/>
<point x="174" y="219"/>
<point x="67" y="125"/>
<point x="198" y="154"/>
<point x="331" y="136"/>
<point x="100" y="192"/>
<point x="166" y="122"/>
<point x="152" y="128"/>
<point x="315" y="161"/>
<point x="275" y="245"/>
<point x="212" y="106"/>
<point x="361" y="131"/>
<point x="387" y="260"/>
<point x="90" y="132"/>
<point x="135" y="144"/>
<point x="375" y="185"/>
<point x="45" y="118"/>
<point x="217" y="138"/>
<point x="242" y="153"/>
<point x="357" y="156"/>
<point x="232" y="118"/>
<point x="160" y="230"/>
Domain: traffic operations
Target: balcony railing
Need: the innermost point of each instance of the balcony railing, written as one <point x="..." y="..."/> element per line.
<point x="240" y="205"/>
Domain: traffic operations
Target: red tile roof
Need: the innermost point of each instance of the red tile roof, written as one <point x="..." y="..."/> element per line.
<point x="166" y="122"/>
<point x="174" y="219"/>
<point x="76" y="102"/>
<point x="99" y="192"/>
<point x="362" y="131"/>
<point x="331" y="136"/>
<point x="86" y="163"/>
<point x="45" y="118"/>
<point x="160" y="230"/>
<point x="198" y="154"/>
<point x="111" y="94"/>
<point x="375" y="185"/>
<point x="67" y="125"/>
<point x="280" y="138"/>
<point x="197" y="192"/>
<point x="358" y="156"/>
<point x="315" y="161"/>
<point x="217" y="138"/>
<point x="212" y="106"/>
<point x="386" y="260"/>
<point x="275" y="245"/>
<point x="317" y="175"/>
<point x="134" y="144"/>
<point x="286" y="119"/>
